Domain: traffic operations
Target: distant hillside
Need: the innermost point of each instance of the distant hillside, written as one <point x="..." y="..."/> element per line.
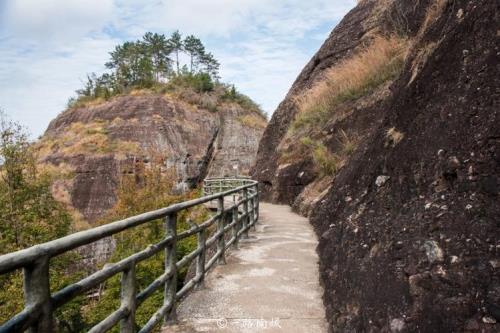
<point x="93" y="145"/>
<point x="389" y="141"/>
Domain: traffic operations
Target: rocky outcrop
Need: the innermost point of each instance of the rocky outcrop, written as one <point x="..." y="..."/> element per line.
<point x="408" y="225"/>
<point x="283" y="183"/>
<point x="101" y="142"/>
<point x="236" y="144"/>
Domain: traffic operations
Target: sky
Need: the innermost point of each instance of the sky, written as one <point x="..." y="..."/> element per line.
<point x="48" y="46"/>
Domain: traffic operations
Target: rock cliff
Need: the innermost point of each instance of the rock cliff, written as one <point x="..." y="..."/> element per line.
<point x="400" y="178"/>
<point x="97" y="143"/>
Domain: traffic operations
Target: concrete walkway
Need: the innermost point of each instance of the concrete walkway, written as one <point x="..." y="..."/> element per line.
<point x="270" y="284"/>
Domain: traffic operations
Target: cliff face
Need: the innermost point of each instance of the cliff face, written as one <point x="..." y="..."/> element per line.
<point x="409" y="219"/>
<point x="98" y="143"/>
<point x="283" y="182"/>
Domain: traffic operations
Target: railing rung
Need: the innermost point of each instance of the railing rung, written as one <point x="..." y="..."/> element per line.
<point x="154" y="286"/>
<point x="109" y="322"/>
<point x="186" y="288"/>
<point x="230" y="242"/>
<point x="212" y="261"/>
<point x="187" y="259"/>
<point x="21" y="321"/>
<point x="66" y="294"/>
<point x="157" y="318"/>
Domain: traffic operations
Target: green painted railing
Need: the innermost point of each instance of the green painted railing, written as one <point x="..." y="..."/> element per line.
<point x="237" y="210"/>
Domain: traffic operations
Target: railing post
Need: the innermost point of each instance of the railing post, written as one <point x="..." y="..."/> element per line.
<point x="252" y="215"/>
<point x="245" y="211"/>
<point x="128" y="300"/>
<point x="200" y="260"/>
<point x="170" y="266"/>
<point x="221" y="243"/>
<point x="258" y="202"/>
<point x="37" y="291"/>
<point x="235" y="227"/>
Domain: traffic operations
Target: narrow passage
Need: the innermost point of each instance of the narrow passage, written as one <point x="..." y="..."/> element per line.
<point x="270" y="284"/>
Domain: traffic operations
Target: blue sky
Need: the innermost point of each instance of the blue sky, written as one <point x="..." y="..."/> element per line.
<point x="48" y="46"/>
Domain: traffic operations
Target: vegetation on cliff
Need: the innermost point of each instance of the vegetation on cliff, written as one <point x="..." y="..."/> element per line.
<point x="144" y="63"/>
<point x="358" y="76"/>
<point x="153" y="65"/>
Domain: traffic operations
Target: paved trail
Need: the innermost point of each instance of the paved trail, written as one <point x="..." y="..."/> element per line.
<point x="270" y="284"/>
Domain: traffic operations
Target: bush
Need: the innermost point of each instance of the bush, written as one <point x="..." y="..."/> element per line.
<point x="328" y="163"/>
<point x="232" y="95"/>
<point x="199" y="82"/>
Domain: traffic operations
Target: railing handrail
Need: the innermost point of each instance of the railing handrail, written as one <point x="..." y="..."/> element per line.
<point x="21" y="258"/>
<point x="40" y="303"/>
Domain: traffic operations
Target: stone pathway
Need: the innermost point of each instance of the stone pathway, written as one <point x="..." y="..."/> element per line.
<point x="271" y="284"/>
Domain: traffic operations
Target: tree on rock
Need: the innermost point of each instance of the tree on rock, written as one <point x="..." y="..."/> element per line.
<point x="175" y="42"/>
<point x="159" y="48"/>
<point x="195" y="49"/>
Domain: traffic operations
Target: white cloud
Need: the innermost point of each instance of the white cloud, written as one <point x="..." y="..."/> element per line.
<point x="55" y="20"/>
<point x="47" y="46"/>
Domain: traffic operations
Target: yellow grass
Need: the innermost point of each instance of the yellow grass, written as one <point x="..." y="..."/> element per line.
<point x="253" y="121"/>
<point x="352" y="79"/>
<point x="393" y="137"/>
<point x="433" y="12"/>
<point x="88" y="138"/>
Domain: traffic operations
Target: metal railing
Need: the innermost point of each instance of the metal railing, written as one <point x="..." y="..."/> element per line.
<point x="232" y="223"/>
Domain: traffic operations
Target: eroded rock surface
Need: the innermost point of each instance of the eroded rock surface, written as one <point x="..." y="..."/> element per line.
<point x="102" y="142"/>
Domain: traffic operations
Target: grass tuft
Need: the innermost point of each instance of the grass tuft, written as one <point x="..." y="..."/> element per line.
<point x="393" y="137"/>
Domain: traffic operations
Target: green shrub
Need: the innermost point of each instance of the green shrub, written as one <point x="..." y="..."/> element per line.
<point x="329" y="163"/>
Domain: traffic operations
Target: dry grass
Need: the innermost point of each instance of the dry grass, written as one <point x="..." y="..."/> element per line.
<point x="348" y="144"/>
<point x="89" y="138"/>
<point x="60" y="171"/>
<point x="253" y="121"/>
<point x="84" y="102"/>
<point x="433" y="12"/>
<point x="423" y="52"/>
<point x="356" y="77"/>
<point x="393" y="137"/>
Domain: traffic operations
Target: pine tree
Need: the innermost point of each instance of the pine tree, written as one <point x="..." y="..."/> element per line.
<point x="194" y="47"/>
<point x="159" y="49"/>
<point x="175" y="42"/>
<point x="211" y="65"/>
